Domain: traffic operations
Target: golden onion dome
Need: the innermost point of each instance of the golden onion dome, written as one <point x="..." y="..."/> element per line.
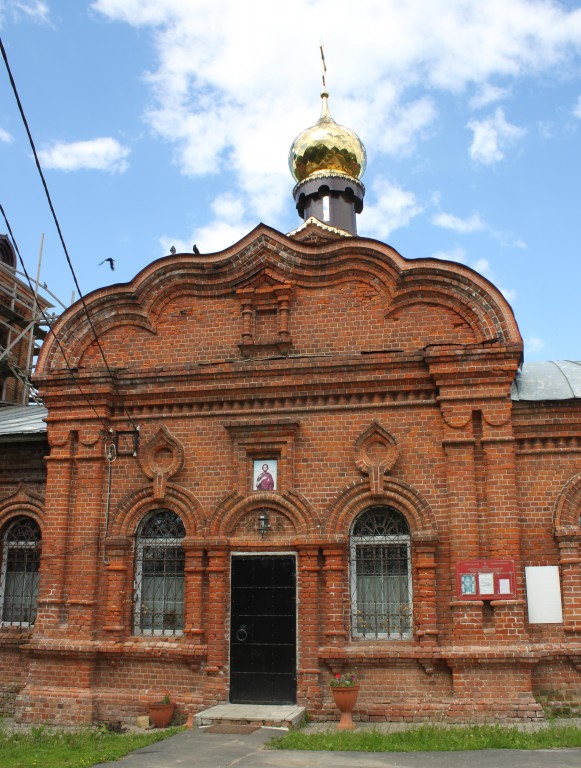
<point x="327" y="147"/>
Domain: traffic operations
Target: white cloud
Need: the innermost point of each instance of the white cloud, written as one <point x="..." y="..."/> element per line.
<point x="487" y="94"/>
<point x="394" y="208"/>
<point x="214" y="236"/>
<point x="492" y="136"/>
<point x="534" y="344"/>
<point x="228" y="225"/>
<point x="483" y="266"/>
<point x="219" y="234"/>
<point x="103" y="154"/>
<point x="397" y="131"/>
<point x="35" y="10"/>
<point x="228" y="207"/>
<point x="547" y="128"/>
<point x="508" y="239"/>
<point x="229" y="75"/>
<point x="480" y="265"/>
<point x="5" y="137"/>
<point x="509" y="294"/>
<point x="577" y="109"/>
<point x="464" y="226"/>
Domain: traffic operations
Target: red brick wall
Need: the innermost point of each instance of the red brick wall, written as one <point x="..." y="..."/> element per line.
<point x="13" y="671"/>
<point x="348" y="338"/>
<point x="556" y="684"/>
<point x="22" y="463"/>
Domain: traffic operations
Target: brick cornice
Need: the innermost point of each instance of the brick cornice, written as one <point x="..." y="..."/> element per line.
<point x="405" y="651"/>
<point x="485" y="367"/>
<point x="176" y="648"/>
<point x="344" y="381"/>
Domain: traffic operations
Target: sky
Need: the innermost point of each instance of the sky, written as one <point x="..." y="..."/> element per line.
<point x="164" y="123"/>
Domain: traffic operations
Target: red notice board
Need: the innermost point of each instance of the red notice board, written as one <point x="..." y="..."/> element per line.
<point x="486" y="580"/>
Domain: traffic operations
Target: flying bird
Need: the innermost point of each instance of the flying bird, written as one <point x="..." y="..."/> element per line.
<point x="172" y="250"/>
<point x="111" y="263"/>
<point x="196" y="250"/>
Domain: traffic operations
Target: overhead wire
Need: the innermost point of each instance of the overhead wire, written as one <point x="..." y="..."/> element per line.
<point x="48" y="322"/>
<point x="57" y="224"/>
<point x="65" y="552"/>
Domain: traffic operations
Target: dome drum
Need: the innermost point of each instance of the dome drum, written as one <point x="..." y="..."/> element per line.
<point x="332" y="198"/>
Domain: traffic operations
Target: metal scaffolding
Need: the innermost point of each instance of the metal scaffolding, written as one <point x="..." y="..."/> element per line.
<point x="25" y="320"/>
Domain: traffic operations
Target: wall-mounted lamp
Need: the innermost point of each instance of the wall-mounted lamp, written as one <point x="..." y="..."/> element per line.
<point x="263" y="522"/>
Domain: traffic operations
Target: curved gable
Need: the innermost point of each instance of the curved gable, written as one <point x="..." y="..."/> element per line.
<point x="259" y="297"/>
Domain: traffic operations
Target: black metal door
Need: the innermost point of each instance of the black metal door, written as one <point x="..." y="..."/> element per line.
<point x="263" y="630"/>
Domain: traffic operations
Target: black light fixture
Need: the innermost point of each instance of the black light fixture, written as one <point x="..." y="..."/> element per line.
<point x="263" y="522"/>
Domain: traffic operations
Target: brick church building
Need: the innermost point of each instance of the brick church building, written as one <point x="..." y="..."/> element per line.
<point x="305" y="454"/>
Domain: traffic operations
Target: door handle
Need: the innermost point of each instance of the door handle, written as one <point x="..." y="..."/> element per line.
<point x="241" y="634"/>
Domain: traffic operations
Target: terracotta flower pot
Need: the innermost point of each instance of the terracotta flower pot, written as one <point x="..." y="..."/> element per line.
<point x="161" y="714"/>
<point x="345" y="699"/>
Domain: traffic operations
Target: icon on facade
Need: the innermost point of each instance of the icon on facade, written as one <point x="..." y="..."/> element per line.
<point x="265" y="474"/>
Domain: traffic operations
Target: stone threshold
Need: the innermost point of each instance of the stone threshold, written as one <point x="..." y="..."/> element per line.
<point x="275" y="716"/>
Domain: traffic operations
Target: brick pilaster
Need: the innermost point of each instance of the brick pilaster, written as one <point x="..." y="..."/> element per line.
<point x="335" y="577"/>
<point x="309" y="689"/>
<point x="218" y="566"/>
<point x="194" y="592"/>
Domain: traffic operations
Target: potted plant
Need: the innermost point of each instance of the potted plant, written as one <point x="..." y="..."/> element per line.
<point x="345" y="690"/>
<point x="161" y="712"/>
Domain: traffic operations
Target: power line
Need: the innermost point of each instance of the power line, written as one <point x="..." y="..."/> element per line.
<point x="64" y="552"/>
<point x="56" y="221"/>
<point x="48" y="323"/>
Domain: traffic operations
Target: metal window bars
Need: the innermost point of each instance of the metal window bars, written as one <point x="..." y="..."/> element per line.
<point x="21" y="546"/>
<point x="159" y="575"/>
<point x="380" y="582"/>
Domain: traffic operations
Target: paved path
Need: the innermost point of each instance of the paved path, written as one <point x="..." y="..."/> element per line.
<point x="212" y="750"/>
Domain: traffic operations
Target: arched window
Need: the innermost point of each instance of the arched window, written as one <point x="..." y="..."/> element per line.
<point x="381" y="589"/>
<point x="19" y="575"/>
<point x="159" y="574"/>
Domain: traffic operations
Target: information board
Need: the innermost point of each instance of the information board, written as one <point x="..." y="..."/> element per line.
<point x="486" y="580"/>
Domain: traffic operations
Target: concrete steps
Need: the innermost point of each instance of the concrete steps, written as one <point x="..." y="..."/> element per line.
<point x="289" y="716"/>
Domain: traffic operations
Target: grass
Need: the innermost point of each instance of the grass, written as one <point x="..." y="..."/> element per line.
<point x="430" y="738"/>
<point x="41" y="748"/>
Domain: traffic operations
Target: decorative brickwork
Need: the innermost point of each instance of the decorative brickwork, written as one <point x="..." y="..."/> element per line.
<point x="371" y="381"/>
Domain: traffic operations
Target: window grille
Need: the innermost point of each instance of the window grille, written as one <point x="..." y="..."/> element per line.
<point x="159" y="575"/>
<point x="381" y="588"/>
<point x="19" y="574"/>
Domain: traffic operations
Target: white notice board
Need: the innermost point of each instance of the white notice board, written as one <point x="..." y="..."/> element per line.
<point x="544" y="594"/>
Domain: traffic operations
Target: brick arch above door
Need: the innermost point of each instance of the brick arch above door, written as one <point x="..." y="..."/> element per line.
<point x="296" y="515"/>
